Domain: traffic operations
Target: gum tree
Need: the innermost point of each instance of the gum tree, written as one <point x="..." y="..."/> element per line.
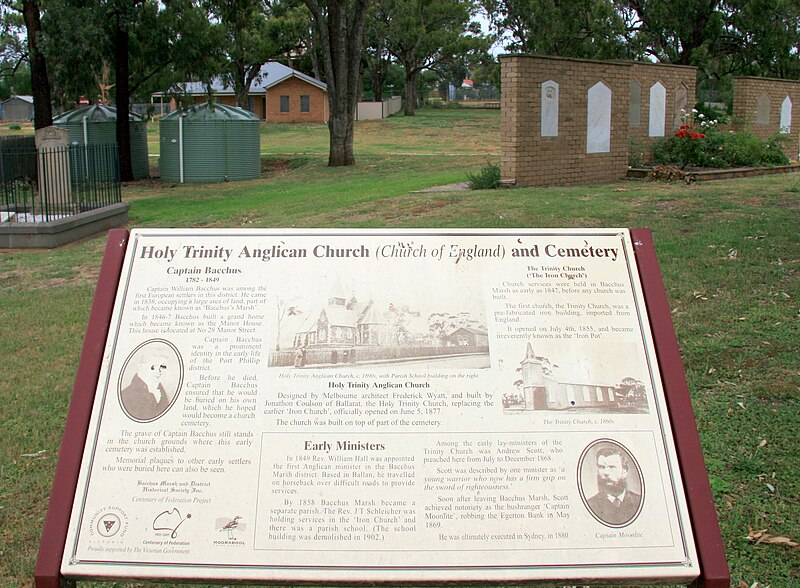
<point x="339" y="33"/>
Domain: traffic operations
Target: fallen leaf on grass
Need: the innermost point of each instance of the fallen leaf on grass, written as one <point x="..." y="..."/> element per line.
<point x="763" y="443"/>
<point x="764" y="537"/>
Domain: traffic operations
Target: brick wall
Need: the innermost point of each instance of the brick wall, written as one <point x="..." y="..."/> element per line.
<point x="294" y="88"/>
<point x="746" y="94"/>
<point x="672" y="77"/>
<point x="530" y="159"/>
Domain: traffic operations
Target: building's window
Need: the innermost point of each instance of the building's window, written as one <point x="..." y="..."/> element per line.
<point x="305" y="104"/>
<point x="284" y="104"/>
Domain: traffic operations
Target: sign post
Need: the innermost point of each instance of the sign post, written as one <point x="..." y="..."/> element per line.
<point x="408" y="406"/>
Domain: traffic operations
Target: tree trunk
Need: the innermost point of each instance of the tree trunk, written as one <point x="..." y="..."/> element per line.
<point x="379" y="72"/>
<point x="40" y="83"/>
<point x="341" y="129"/>
<point x="341" y="34"/>
<point x="410" y="92"/>
<point x="123" y="99"/>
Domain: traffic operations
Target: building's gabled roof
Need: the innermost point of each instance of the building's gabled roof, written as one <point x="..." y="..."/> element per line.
<point x="372" y="316"/>
<point x="341" y="317"/>
<point x="473" y="330"/>
<point x="272" y="73"/>
<point x="28" y="99"/>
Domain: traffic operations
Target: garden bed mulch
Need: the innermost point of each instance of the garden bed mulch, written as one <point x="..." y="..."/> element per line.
<point x="706" y="174"/>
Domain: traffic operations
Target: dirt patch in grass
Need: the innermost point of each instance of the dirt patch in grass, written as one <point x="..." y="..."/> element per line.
<point x="429" y="206"/>
<point x="272" y="167"/>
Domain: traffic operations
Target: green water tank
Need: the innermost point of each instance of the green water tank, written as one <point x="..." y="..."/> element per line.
<point x="210" y="143"/>
<point x="97" y="125"/>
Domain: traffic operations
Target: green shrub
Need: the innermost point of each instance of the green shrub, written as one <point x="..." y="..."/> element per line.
<point x="14" y="127"/>
<point x="710" y="147"/>
<point x="636" y="153"/>
<point x="487" y="179"/>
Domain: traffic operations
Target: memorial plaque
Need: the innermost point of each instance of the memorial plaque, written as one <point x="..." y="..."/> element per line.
<point x="356" y="405"/>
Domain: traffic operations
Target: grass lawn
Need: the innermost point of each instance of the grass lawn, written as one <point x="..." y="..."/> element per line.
<point x="729" y="253"/>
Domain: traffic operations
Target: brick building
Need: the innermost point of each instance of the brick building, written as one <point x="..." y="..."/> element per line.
<point x="571" y="121"/>
<point x="766" y="107"/>
<point x="279" y="94"/>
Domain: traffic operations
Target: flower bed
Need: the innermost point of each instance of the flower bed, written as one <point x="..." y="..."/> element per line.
<point x="700" y="143"/>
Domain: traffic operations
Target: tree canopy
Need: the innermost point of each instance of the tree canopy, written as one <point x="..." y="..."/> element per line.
<point x="123" y="50"/>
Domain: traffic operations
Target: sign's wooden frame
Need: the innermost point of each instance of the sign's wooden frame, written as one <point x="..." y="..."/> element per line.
<point x="713" y="566"/>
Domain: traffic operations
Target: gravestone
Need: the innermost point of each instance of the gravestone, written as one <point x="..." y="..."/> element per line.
<point x="54" y="174"/>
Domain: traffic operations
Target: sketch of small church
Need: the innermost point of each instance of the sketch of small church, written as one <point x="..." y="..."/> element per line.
<point x="345" y="330"/>
<point x="343" y="321"/>
<point x="542" y="391"/>
<point x="467" y="337"/>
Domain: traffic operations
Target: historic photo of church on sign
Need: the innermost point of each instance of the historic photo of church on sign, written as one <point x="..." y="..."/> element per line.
<point x="541" y="387"/>
<point x="346" y="330"/>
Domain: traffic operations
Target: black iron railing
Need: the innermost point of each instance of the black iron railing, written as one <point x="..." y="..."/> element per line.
<point x="52" y="183"/>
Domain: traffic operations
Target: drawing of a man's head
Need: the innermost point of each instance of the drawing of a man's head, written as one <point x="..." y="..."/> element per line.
<point x="152" y="368"/>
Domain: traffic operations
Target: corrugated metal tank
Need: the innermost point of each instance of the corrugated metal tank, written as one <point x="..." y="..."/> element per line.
<point x="100" y="127"/>
<point x="215" y="142"/>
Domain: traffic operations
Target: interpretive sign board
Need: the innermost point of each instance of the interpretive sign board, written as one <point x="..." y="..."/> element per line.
<point x="398" y="406"/>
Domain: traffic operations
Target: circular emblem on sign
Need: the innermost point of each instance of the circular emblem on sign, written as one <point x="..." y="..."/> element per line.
<point x="108" y="525"/>
<point x="109" y="522"/>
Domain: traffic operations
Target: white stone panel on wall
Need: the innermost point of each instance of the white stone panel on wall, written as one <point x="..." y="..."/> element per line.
<point x="635" y="113"/>
<point x="598" y="120"/>
<point x="762" y="110"/>
<point x="658" y="110"/>
<point x="786" y="116"/>
<point x="549" y="123"/>
<point x="681" y="105"/>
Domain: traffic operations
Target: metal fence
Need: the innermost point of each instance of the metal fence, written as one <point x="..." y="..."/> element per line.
<point x="48" y="184"/>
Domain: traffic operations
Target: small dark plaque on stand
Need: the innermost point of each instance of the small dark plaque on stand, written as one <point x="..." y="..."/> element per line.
<point x="413" y="406"/>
